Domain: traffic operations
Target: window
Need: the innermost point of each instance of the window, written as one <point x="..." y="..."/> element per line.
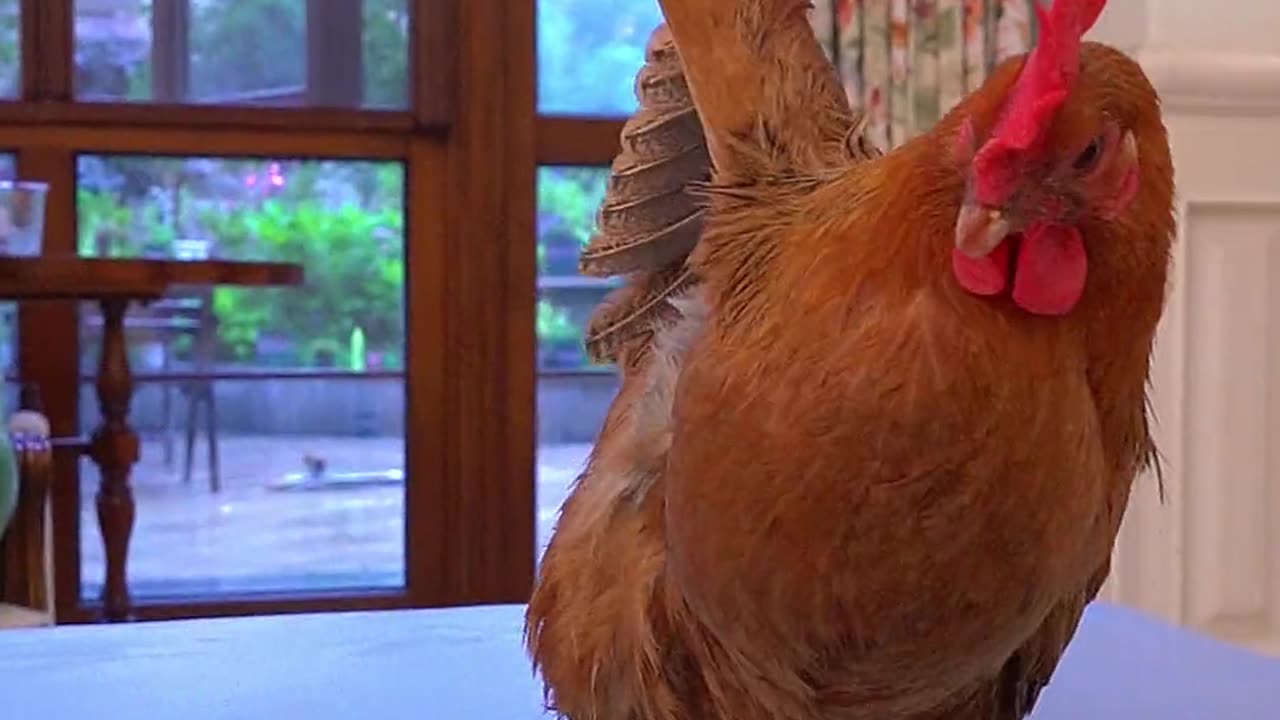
<point x="8" y="311"/>
<point x="373" y="427"/>
<point x="272" y="420"/>
<point x="243" y="52"/>
<point x="573" y="394"/>
<point x="589" y="52"/>
<point x="567" y="201"/>
<point x="588" y="55"/>
<point x="10" y="62"/>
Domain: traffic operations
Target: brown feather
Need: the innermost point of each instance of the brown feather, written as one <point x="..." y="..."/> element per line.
<point x="628" y="317"/>
<point x="663" y="148"/>
<point x="648" y="222"/>
<point x="636" y="177"/>
<point x="653" y="211"/>
<point x="642" y="235"/>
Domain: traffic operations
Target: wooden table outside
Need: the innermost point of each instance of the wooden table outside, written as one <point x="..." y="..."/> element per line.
<point x="113" y="446"/>
<point x="468" y="664"/>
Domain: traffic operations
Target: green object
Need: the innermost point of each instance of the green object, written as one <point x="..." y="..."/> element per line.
<point x="553" y="323"/>
<point x="357" y="350"/>
<point x="8" y="477"/>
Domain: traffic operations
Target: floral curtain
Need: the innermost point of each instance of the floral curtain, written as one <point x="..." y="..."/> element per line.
<point x="907" y="62"/>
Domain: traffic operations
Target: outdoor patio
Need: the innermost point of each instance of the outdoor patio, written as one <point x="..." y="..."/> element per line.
<point x="252" y="537"/>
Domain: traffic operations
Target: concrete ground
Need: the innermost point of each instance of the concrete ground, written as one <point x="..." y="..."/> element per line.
<point x="249" y="537"/>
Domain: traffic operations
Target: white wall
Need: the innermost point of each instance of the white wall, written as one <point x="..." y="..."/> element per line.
<point x="1209" y="557"/>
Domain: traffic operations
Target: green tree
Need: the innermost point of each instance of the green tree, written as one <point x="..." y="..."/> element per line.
<point x="355" y="279"/>
<point x="247" y="45"/>
<point x="240" y="46"/>
<point x="589" y="52"/>
<point x="9" y="48"/>
<point x="386" y="53"/>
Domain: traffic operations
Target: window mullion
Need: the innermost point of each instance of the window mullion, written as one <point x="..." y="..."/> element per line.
<point x="47" y="49"/>
<point x="335" y="56"/>
<point x="171" y="50"/>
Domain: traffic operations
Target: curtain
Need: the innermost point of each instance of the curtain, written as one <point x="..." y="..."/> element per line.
<point x="907" y="62"/>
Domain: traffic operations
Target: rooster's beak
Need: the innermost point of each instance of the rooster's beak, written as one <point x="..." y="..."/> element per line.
<point x="979" y="229"/>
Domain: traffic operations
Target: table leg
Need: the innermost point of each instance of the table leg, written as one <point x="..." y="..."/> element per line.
<point x="114" y="449"/>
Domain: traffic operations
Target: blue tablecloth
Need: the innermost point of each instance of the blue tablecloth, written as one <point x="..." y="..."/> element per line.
<point x="468" y="664"/>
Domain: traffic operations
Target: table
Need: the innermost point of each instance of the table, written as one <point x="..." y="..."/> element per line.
<point x="115" y="284"/>
<point x="468" y="664"/>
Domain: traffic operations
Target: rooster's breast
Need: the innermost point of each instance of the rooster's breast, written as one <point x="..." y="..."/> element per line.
<point x="903" y="502"/>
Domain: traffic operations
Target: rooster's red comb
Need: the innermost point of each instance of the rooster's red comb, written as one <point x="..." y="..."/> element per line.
<point x="1042" y="86"/>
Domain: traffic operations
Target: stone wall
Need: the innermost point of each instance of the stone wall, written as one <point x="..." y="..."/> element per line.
<point x="570" y="407"/>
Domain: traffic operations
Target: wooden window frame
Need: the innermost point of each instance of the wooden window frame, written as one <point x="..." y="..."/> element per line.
<point x="571" y="140"/>
<point x="468" y="143"/>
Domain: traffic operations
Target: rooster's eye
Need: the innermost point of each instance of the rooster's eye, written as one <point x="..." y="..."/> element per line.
<point x="1088" y="158"/>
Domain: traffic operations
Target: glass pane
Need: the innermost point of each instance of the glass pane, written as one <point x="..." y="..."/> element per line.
<point x="10" y="49"/>
<point x="573" y="395"/>
<point x="244" y="52"/>
<point x="304" y="387"/>
<point x="342" y="220"/>
<point x="8" y="311"/>
<point x="269" y="527"/>
<point x="589" y="52"/>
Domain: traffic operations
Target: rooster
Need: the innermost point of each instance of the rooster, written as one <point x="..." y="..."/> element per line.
<point x="880" y="412"/>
